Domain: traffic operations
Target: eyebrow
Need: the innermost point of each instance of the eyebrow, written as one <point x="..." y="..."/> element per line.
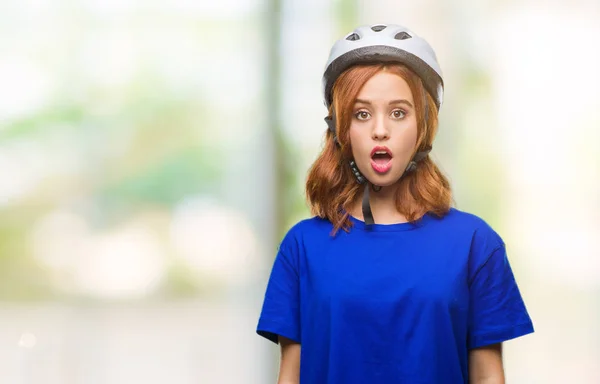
<point x="399" y="101"/>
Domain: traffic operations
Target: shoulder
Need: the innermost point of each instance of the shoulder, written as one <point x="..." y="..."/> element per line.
<point x="306" y="230"/>
<point x="308" y="227"/>
<point x="483" y="238"/>
<point x="475" y="237"/>
<point x="465" y="220"/>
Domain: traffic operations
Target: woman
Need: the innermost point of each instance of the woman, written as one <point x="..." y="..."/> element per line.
<point x="387" y="283"/>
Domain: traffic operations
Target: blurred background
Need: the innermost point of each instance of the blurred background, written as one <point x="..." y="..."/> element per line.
<point x="153" y="154"/>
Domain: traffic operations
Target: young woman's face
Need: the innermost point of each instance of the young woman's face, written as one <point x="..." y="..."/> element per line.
<point x="383" y="132"/>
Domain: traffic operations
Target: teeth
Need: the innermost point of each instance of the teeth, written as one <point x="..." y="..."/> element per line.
<point x="381" y="153"/>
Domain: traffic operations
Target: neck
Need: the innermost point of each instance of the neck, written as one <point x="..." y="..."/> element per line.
<point x="383" y="206"/>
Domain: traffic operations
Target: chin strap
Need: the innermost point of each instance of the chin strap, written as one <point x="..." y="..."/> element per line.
<point x="366" y="206"/>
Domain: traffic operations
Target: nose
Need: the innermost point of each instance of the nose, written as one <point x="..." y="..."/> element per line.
<point x="380" y="129"/>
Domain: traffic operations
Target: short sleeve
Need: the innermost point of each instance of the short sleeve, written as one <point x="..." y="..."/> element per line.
<point x="497" y="311"/>
<point x="280" y="313"/>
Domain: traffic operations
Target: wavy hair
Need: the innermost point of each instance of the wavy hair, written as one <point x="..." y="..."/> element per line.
<point x="331" y="188"/>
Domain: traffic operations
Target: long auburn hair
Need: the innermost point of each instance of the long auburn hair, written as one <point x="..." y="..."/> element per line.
<point x="331" y="188"/>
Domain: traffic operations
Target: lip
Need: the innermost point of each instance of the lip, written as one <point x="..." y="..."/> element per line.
<point x="381" y="148"/>
<point x="381" y="168"/>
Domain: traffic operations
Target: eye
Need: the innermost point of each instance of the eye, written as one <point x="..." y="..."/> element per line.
<point x="362" y="115"/>
<point x="398" y="114"/>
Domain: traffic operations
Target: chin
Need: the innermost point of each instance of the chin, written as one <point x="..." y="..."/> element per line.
<point x="384" y="180"/>
<point x="389" y="178"/>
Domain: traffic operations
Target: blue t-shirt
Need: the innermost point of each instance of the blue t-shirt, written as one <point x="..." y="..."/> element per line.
<point x="397" y="303"/>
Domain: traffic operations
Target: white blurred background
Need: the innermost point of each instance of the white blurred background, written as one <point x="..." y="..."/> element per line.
<point x="153" y="154"/>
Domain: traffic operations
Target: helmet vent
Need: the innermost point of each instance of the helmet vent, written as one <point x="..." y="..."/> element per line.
<point x="353" y="37"/>
<point x="402" y="36"/>
<point x="378" y="28"/>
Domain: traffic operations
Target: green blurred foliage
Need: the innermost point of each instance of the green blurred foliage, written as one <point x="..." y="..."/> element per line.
<point x="21" y="278"/>
<point x="160" y="158"/>
<point x="346" y="12"/>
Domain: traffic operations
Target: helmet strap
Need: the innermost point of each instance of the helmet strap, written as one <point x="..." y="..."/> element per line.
<point x="366" y="208"/>
<point x="419" y="156"/>
<point x="331" y="123"/>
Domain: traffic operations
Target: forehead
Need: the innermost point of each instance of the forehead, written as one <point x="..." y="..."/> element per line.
<point x="385" y="86"/>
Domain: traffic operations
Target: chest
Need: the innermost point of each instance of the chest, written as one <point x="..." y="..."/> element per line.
<point x="388" y="273"/>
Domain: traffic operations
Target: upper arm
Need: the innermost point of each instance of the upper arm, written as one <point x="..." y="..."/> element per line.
<point x="497" y="312"/>
<point x="485" y="365"/>
<point x="289" y="367"/>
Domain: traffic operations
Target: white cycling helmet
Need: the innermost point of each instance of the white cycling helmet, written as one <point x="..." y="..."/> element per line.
<point x="385" y="43"/>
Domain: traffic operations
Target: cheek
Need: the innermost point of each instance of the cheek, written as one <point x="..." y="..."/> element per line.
<point x="409" y="137"/>
<point x="357" y="142"/>
<point x="405" y="144"/>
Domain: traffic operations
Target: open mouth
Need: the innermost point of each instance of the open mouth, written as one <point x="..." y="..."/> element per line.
<point x="381" y="159"/>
